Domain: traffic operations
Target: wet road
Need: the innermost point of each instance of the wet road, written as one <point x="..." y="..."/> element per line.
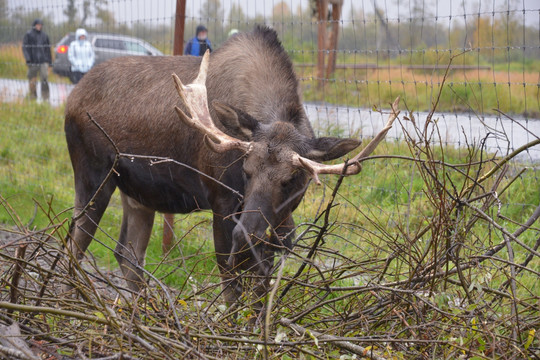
<point x="499" y="134"/>
<point x="16" y="90"/>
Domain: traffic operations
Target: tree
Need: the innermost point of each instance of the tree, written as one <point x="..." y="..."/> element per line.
<point x="237" y="18"/>
<point x="483" y="34"/>
<point x="86" y="11"/>
<point x="71" y="12"/>
<point x="106" y="17"/>
<point x="211" y="11"/>
<point x="281" y="10"/>
<point x="236" y="14"/>
<point x="212" y="14"/>
<point x="327" y="38"/>
<point x="77" y="16"/>
<point x="4" y="21"/>
<point x="3" y="10"/>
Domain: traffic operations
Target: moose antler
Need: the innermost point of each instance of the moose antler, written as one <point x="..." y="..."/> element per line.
<point x="353" y="165"/>
<point x="195" y="98"/>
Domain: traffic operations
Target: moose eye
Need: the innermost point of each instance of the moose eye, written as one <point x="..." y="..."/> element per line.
<point x="287" y="183"/>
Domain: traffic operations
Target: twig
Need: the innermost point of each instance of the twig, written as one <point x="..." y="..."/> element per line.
<point x="320" y="235"/>
<point x="505" y="160"/>
<point x="54" y="311"/>
<point x="502" y="229"/>
<point x="119" y="356"/>
<point x="16" y="354"/>
<point x="269" y="306"/>
<point x="354" y="348"/>
<point x="514" y="310"/>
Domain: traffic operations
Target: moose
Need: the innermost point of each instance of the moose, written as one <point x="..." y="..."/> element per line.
<point x="240" y="139"/>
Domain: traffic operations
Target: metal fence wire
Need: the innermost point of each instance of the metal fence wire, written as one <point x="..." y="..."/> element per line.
<point x="429" y="209"/>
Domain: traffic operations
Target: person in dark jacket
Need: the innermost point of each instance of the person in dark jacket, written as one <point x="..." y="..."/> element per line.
<point x="37" y="53"/>
<point x="198" y="45"/>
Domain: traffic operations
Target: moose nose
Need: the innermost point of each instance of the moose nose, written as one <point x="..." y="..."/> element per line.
<point x="246" y="249"/>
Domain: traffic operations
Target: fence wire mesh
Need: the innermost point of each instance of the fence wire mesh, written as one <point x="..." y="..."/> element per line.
<point x="430" y="252"/>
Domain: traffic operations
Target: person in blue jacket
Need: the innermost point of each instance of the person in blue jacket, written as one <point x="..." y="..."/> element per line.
<point x="80" y="55"/>
<point x="198" y="45"/>
<point x="37" y="53"/>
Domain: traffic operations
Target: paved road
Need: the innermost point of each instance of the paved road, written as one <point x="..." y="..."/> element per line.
<point x="16" y="90"/>
<point x="501" y="134"/>
<point x="456" y="129"/>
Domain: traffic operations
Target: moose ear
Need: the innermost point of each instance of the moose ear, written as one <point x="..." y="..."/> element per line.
<point x="330" y="148"/>
<point x="238" y="123"/>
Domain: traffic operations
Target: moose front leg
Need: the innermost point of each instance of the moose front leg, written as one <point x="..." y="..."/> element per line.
<point x="231" y="284"/>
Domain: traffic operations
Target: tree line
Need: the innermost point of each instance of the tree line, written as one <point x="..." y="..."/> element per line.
<point x="497" y="37"/>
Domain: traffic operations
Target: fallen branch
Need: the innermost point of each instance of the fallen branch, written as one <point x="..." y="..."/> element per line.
<point x="16" y="354"/>
<point x="354" y="348"/>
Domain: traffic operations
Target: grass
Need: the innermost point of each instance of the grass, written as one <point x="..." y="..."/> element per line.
<point x="481" y="91"/>
<point x="379" y="215"/>
<point x="13" y="66"/>
<point x="511" y="87"/>
<point x="35" y="170"/>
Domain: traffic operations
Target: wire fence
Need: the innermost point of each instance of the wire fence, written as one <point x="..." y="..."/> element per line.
<point x="413" y="239"/>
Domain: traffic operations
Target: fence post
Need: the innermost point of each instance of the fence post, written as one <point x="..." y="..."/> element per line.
<point x="322" y="10"/>
<point x="334" y="36"/>
<point x="178" y="49"/>
<point x="179" y="23"/>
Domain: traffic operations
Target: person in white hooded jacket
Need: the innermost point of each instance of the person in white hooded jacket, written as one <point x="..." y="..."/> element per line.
<point x="80" y="55"/>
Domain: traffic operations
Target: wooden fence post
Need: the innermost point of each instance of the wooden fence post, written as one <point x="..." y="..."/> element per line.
<point x="334" y="36"/>
<point x="322" y="12"/>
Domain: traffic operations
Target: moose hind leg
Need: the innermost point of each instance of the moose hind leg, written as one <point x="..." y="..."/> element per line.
<point x="90" y="205"/>
<point x="137" y="223"/>
<point x="85" y="224"/>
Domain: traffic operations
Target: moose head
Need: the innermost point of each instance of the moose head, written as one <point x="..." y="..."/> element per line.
<point x="278" y="162"/>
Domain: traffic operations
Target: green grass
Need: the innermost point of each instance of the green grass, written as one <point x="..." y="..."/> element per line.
<point x="482" y="92"/>
<point x="510" y="86"/>
<point x="13" y="66"/>
<point x="35" y="166"/>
